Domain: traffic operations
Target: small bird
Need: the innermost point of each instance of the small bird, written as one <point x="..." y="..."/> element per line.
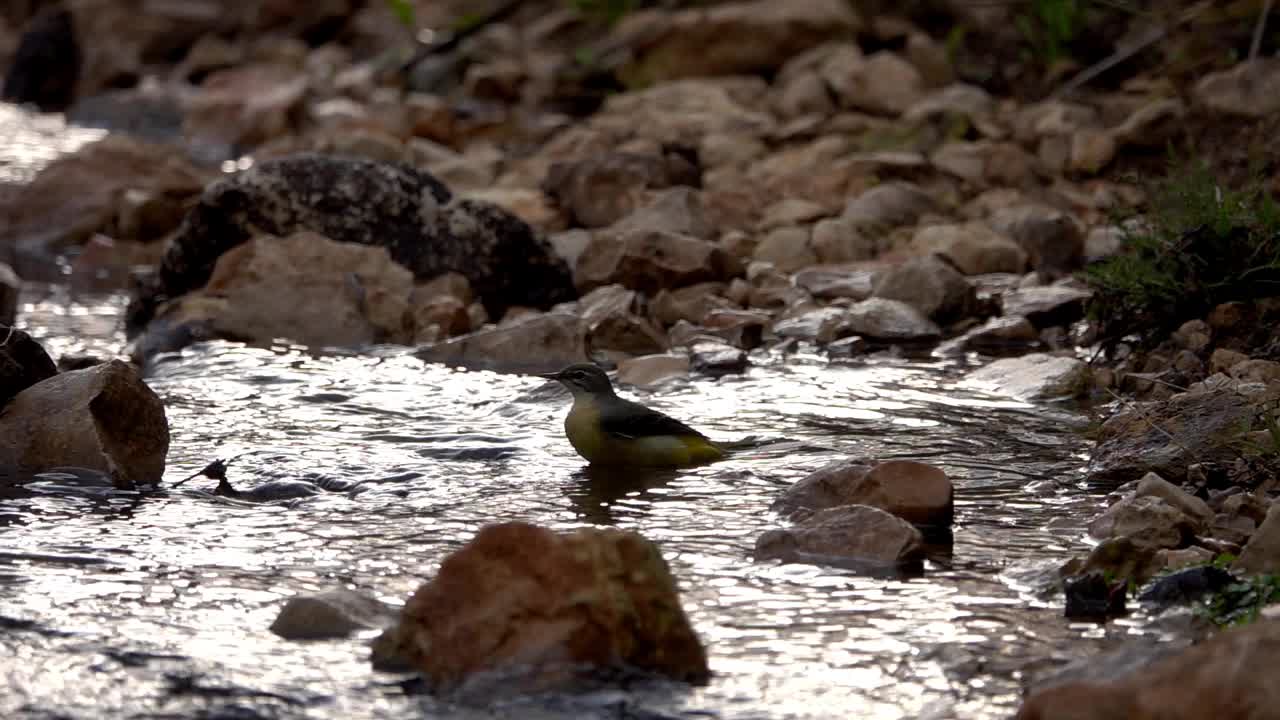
<point x="609" y="430"/>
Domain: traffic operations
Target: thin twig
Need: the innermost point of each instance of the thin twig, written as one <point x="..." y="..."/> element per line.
<point x="1134" y="407"/>
<point x="1124" y="53"/>
<point x="1258" y="29"/>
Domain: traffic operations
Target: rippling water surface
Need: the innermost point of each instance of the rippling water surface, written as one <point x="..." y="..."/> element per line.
<point x="145" y="606"/>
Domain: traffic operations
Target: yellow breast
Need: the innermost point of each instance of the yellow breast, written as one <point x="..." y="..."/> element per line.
<point x="582" y="426"/>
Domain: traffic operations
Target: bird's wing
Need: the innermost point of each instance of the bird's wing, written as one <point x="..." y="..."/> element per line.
<point x="632" y="420"/>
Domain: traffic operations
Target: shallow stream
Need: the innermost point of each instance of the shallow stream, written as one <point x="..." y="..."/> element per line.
<point x="125" y="605"/>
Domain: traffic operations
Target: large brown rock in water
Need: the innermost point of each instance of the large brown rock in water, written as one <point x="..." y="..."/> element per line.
<point x="916" y="492"/>
<point x="857" y="534"/>
<point x="1224" y="678"/>
<point x="102" y="418"/>
<point x="520" y="602"/>
<point x="346" y="199"/>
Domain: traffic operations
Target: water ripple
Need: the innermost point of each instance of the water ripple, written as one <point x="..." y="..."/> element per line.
<point x="158" y="605"/>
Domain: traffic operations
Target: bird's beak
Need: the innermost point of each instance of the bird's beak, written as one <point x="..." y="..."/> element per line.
<point x="548" y="376"/>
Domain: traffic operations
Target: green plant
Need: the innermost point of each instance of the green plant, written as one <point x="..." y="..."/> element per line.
<point x="1049" y="26"/>
<point x="1240" y="603"/>
<point x="1223" y="561"/>
<point x="1269" y="448"/>
<point x="404" y="12"/>
<point x="1199" y="245"/>
<point x="610" y="11"/>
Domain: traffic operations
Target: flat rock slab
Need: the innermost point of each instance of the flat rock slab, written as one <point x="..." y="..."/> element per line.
<point x="1038" y="376"/>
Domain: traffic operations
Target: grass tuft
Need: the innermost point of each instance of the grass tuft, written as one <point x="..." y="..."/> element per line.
<point x="1199" y="245"/>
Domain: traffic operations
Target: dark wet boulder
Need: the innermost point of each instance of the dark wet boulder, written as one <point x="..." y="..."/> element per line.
<point x="46" y="66"/>
<point x="1186" y="586"/>
<point x="102" y="418"/>
<point x="406" y="210"/>
<point x="10" y="288"/>
<point x="23" y="363"/>
<point x="1094" y="596"/>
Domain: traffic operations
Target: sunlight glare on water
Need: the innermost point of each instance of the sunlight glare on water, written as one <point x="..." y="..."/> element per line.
<point x="129" y="605"/>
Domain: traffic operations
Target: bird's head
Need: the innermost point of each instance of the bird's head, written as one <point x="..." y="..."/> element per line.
<point x="583" y="378"/>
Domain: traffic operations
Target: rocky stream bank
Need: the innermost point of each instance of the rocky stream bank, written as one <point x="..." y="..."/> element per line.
<point x="676" y="196"/>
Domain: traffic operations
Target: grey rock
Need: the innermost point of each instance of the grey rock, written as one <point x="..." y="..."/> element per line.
<point x="102" y="418"/>
<point x="891" y="320"/>
<point x="889" y="205"/>
<point x="332" y="614"/>
<point x="1034" y="376"/>
<point x="822" y="325"/>
<point x="931" y="285"/>
<point x="1047" y="305"/>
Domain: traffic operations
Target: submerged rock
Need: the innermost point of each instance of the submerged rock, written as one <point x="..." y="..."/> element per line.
<point x="102" y="418"/>
<point x="23" y="362"/>
<point x="1218" y="678"/>
<point x="918" y="493"/>
<point x="523" y="605"/>
<point x="404" y="210"/>
<point x="849" y="533"/>
<point x="332" y="614"/>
